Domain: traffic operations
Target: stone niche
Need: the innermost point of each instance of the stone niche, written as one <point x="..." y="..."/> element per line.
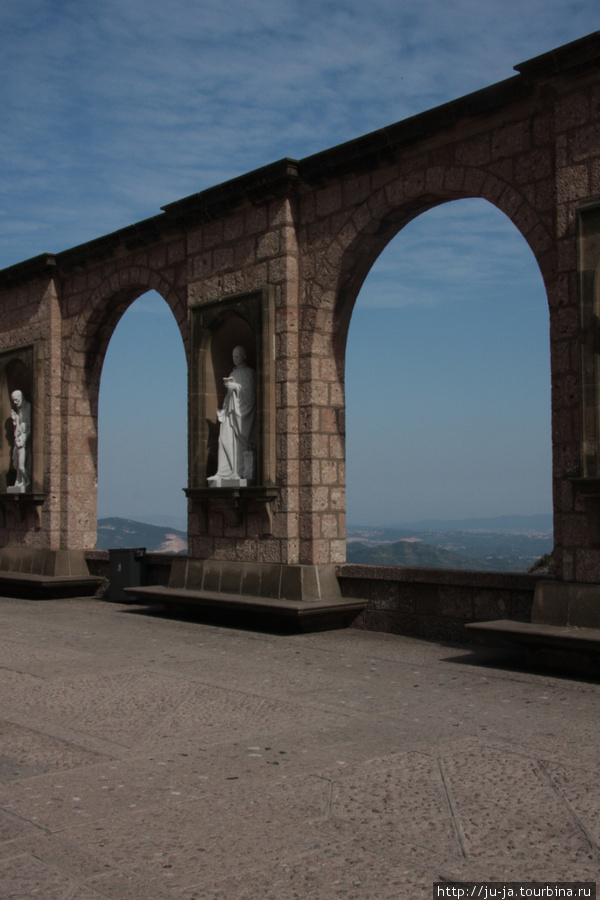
<point x="218" y="327"/>
<point x="22" y="370"/>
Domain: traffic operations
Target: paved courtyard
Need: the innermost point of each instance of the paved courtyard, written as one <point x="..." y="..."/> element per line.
<point x="147" y="758"/>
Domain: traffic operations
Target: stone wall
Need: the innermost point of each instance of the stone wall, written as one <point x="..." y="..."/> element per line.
<point x="435" y="604"/>
<point x="432" y="604"/>
<point x="306" y="233"/>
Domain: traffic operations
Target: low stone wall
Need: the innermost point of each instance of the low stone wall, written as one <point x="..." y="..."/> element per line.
<point x="434" y="604"/>
<point x="157" y="566"/>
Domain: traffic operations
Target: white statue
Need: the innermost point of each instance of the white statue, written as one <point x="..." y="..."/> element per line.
<point x="237" y="434"/>
<point x="21" y="457"/>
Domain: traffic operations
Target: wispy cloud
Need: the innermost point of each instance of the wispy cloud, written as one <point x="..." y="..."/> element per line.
<point x="113" y="109"/>
<point x="465" y="249"/>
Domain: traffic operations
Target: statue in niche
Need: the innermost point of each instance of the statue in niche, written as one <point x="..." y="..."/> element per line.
<point x="237" y="432"/>
<point x="21" y="455"/>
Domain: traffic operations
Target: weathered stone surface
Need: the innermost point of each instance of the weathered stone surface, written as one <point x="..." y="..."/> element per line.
<point x="241" y="765"/>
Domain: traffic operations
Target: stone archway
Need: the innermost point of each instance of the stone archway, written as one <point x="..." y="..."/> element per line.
<point x="305" y="233"/>
<point x="340" y="253"/>
<point x="447" y="376"/>
<point x="83" y="362"/>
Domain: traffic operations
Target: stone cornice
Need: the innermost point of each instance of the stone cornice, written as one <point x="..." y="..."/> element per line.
<point x="580" y="54"/>
<point x="273" y="180"/>
<point x="42" y="266"/>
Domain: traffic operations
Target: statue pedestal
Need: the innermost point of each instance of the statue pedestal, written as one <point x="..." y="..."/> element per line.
<point x="216" y="482"/>
<point x="16" y="489"/>
<point x="235" y="502"/>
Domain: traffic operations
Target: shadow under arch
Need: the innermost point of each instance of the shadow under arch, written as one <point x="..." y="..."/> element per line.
<point x="493" y="315"/>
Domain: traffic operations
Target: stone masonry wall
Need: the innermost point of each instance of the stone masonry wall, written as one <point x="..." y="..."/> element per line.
<point x="254" y="247"/>
<point x="577" y="126"/>
<point x="435" y="604"/>
<point x="343" y="226"/>
<point x="310" y="231"/>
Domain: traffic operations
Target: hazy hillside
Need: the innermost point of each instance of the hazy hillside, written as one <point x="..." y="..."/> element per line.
<point x="507" y="549"/>
<point x="509" y="524"/>
<point x="408" y="553"/>
<point x="513" y="545"/>
<point x="114" y="533"/>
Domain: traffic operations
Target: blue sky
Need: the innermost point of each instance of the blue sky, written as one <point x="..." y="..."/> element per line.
<point x="113" y="108"/>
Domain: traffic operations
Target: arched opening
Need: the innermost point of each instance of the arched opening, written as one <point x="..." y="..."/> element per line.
<point x="142" y="428"/>
<point x="448" y="393"/>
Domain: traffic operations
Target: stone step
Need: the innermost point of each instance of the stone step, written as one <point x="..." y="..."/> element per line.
<point x="564" y="636"/>
<point x="306" y="615"/>
<point x="30" y="586"/>
<point x="561" y="647"/>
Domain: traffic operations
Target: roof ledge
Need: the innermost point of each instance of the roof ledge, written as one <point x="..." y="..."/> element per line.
<point x="577" y="55"/>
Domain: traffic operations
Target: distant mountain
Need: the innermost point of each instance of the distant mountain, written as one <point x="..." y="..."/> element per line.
<point x="115" y="533"/>
<point x="503" y="550"/>
<point x="515" y="544"/>
<point x="517" y="524"/>
<point x="408" y="553"/>
<point x="179" y="523"/>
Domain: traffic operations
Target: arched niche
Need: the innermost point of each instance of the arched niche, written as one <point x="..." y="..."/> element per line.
<point x="21" y="369"/>
<point x="245" y="320"/>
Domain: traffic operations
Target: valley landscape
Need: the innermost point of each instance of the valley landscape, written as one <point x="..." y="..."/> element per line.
<point x="503" y="544"/>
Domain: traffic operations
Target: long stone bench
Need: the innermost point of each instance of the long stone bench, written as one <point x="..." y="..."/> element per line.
<point x="306" y="597"/>
<point x="564" y="627"/>
<point x="35" y="574"/>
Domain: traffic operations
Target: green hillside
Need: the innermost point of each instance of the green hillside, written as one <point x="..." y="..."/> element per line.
<point x="410" y="553"/>
<point x="115" y="533"/>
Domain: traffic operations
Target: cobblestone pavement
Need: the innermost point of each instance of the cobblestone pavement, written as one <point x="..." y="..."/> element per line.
<point x="148" y="758"/>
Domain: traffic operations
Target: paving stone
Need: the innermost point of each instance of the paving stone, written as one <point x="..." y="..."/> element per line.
<point x="349" y="870"/>
<point x="24" y="753"/>
<point x="24" y="877"/>
<point x="405" y="800"/>
<point x="170" y="760"/>
<point x="507" y="805"/>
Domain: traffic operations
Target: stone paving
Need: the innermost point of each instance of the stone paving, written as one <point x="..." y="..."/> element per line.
<point x="148" y="758"/>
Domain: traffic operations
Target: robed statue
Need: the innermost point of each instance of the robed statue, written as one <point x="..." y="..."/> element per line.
<point x="21" y="452"/>
<point x="237" y="431"/>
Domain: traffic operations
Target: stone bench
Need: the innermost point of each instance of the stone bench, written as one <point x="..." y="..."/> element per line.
<point x="35" y="574"/>
<point x="564" y="627"/>
<point x="307" y="598"/>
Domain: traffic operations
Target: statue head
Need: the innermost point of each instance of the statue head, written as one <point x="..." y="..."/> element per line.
<point x="17" y="399"/>
<point x="239" y="355"/>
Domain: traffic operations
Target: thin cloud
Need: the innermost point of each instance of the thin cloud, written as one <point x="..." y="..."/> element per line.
<point x="461" y="249"/>
<point x="111" y="110"/>
<point x="146" y="101"/>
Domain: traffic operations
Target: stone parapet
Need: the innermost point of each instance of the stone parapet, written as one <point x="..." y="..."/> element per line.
<point x="435" y="604"/>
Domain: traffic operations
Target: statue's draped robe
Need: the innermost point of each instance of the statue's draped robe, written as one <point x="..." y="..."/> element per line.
<point x="238" y="424"/>
<point x="21" y="453"/>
